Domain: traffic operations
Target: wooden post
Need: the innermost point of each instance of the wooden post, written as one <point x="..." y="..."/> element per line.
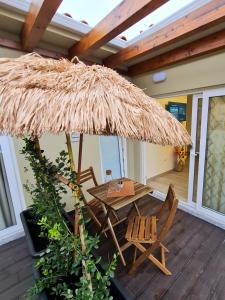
<point x="80" y="157"/>
<point x="77" y="215"/>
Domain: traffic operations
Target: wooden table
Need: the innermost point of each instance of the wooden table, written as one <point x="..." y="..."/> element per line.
<point x="114" y="204"/>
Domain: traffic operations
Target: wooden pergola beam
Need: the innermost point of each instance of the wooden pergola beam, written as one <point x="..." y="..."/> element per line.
<point x="210" y="14"/>
<point x="38" y="18"/>
<point x="206" y="45"/>
<point x="118" y="20"/>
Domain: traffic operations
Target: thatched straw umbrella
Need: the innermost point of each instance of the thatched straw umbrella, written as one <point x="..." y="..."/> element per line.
<point x="39" y="95"/>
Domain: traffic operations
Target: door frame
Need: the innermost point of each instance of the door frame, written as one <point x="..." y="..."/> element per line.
<point x="190" y="206"/>
<point x="193" y="154"/>
<point x="122" y="154"/>
<point x="15" y="187"/>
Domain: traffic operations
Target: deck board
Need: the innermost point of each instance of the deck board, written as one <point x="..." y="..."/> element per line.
<point x="15" y="270"/>
<point x="196" y="259"/>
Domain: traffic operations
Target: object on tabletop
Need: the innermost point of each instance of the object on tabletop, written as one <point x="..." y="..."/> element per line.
<point x="108" y="175"/>
<point x="120" y="188"/>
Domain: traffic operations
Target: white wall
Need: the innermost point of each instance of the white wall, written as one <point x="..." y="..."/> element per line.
<point x="52" y="145"/>
<point x="160" y="159"/>
<point x="5" y="52"/>
<point x="197" y="74"/>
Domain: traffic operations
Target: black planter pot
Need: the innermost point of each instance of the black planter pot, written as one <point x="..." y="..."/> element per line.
<point x="38" y="244"/>
<point x="116" y="290"/>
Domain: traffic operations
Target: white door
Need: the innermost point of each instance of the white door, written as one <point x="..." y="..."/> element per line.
<point x="211" y="171"/>
<point x="11" y="197"/>
<point x="113" y="156"/>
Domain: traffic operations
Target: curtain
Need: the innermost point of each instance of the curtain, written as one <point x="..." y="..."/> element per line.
<point x="214" y="181"/>
<point x="7" y="217"/>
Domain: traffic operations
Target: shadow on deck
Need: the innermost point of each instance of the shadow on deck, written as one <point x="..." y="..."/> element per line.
<point x="196" y="260"/>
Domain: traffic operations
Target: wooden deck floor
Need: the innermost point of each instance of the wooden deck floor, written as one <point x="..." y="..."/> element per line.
<point x="15" y="270"/>
<point x="196" y="259"/>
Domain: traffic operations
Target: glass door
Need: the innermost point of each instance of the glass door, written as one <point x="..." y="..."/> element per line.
<point x="113" y="154"/>
<point x="11" y="197"/>
<point x="211" y="173"/>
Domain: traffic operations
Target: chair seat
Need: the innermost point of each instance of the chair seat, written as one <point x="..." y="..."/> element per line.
<point x="141" y="229"/>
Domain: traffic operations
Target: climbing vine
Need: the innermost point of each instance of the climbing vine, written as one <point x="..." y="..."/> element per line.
<point x="61" y="264"/>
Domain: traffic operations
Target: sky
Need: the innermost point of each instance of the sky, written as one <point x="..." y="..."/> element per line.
<point x="93" y="11"/>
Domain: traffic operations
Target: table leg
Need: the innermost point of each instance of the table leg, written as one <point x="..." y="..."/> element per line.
<point x="134" y="206"/>
<point x="114" y="235"/>
<point x="104" y="222"/>
<point x="137" y="209"/>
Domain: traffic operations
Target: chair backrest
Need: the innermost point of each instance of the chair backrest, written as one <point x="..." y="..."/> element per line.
<point x="171" y="202"/>
<point x="167" y="203"/>
<point x="87" y="175"/>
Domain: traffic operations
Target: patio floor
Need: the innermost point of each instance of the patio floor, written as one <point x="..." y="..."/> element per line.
<point x="15" y="270"/>
<point x="196" y="259"/>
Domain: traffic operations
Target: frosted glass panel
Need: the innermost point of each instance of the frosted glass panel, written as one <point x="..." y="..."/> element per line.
<point x="214" y="179"/>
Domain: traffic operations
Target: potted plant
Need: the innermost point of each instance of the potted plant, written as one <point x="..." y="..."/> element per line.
<point x="38" y="245"/>
<point x="60" y="271"/>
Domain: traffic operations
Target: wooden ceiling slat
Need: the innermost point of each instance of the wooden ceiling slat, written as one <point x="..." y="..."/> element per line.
<point x="210" y="14"/>
<point x="206" y="45"/>
<point x="38" y="18"/>
<point x="118" y="20"/>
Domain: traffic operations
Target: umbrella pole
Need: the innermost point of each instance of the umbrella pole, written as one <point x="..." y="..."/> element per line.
<point x="76" y="197"/>
<point x="80" y="157"/>
<point x="37" y="148"/>
<point x="72" y="168"/>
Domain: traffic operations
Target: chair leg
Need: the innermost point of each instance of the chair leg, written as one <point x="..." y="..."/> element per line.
<point x="135" y="254"/>
<point x="159" y="264"/>
<point x="163" y="259"/>
<point x="95" y="219"/>
<point x="146" y="253"/>
<point x="166" y="250"/>
<point x="115" y="215"/>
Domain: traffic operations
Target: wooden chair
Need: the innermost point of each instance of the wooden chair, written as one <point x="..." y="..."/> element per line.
<point x="93" y="206"/>
<point x="143" y="230"/>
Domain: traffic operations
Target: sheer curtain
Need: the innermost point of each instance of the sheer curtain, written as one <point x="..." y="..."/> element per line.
<point x="214" y="181"/>
<point x="7" y="217"/>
